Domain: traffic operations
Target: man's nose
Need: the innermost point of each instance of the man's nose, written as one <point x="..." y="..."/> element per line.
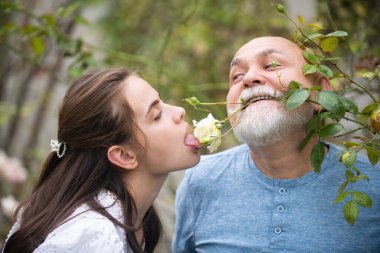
<point x="252" y="78"/>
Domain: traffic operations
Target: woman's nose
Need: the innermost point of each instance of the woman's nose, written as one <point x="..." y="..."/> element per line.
<point x="179" y="114"/>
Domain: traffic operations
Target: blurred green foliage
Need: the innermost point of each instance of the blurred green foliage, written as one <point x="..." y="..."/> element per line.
<point x="182" y="47"/>
<point x="190" y="42"/>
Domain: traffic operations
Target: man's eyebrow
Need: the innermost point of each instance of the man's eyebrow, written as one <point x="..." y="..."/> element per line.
<point x="234" y="62"/>
<point x="268" y="51"/>
<point x="153" y="104"/>
<point x="263" y="53"/>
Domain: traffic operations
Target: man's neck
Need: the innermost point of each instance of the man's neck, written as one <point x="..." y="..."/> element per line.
<point x="283" y="159"/>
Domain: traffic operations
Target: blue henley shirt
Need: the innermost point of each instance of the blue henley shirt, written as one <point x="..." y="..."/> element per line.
<point x="226" y="204"/>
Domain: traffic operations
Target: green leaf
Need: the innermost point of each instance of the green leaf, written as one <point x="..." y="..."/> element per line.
<point x="349" y="158"/>
<point x="309" y="69"/>
<point x="332" y="58"/>
<point x="356" y="170"/>
<point x="326" y="71"/>
<point x="363" y="199"/>
<point x="368" y="75"/>
<point x="337" y="34"/>
<point x="38" y="45"/>
<point x="81" y="20"/>
<point x="330" y="101"/>
<point x="317" y="155"/>
<point x="359" y="138"/>
<point x="312" y="124"/>
<point x="349" y="176"/>
<point x="351" y="211"/>
<point x="316" y="26"/>
<point x="315" y="36"/>
<point x="301" y="19"/>
<point x="297" y="98"/>
<point x="373" y="155"/>
<point x="49" y="19"/>
<point x="306" y="140"/>
<point x="330" y="130"/>
<point x="341" y="197"/>
<point x="328" y="45"/>
<point x="293" y="85"/>
<point x="316" y="88"/>
<point x="343" y="186"/>
<point x="361" y="177"/>
<point x="310" y="57"/>
<point x="349" y="144"/>
<point x="349" y="105"/>
<point x="66" y="11"/>
<point x="75" y="72"/>
<point x="369" y="108"/>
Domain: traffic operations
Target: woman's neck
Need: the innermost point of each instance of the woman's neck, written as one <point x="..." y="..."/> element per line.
<point x="144" y="188"/>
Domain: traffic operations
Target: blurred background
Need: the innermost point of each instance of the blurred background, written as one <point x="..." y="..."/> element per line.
<point x="182" y="47"/>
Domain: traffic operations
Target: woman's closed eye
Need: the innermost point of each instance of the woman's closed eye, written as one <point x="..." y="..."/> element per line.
<point x="158" y="116"/>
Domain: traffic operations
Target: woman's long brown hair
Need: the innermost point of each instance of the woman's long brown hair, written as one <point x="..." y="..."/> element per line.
<point x="94" y="116"/>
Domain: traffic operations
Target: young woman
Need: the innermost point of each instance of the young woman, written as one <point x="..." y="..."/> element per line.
<point x="117" y="143"/>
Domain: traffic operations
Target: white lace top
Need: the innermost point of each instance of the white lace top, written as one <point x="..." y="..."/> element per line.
<point x="87" y="232"/>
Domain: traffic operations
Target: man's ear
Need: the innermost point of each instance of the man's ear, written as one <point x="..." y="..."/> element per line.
<point x="324" y="83"/>
<point x="122" y="157"/>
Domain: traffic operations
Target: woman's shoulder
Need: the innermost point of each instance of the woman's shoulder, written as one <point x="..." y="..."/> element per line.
<point x="87" y="231"/>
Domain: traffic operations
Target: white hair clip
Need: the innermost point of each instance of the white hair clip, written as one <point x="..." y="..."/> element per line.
<point x="56" y="147"/>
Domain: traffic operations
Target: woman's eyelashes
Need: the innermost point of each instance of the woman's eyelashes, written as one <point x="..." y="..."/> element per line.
<point x="158" y="116"/>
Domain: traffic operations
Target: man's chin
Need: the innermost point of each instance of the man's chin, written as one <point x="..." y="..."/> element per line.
<point x="259" y="141"/>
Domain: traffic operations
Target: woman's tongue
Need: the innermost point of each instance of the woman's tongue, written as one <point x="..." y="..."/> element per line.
<point x="191" y="141"/>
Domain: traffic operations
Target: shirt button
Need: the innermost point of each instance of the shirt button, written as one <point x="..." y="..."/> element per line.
<point x="281" y="190"/>
<point x="277" y="230"/>
<point x="280" y="209"/>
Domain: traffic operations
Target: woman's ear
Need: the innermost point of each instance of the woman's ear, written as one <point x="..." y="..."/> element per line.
<point x="122" y="157"/>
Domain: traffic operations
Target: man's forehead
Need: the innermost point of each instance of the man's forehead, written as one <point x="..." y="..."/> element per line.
<point x="265" y="46"/>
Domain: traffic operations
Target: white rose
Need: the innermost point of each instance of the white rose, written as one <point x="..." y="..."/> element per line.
<point x="208" y="132"/>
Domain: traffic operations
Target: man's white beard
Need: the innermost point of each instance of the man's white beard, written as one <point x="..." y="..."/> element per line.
<point x="262" y="124"/>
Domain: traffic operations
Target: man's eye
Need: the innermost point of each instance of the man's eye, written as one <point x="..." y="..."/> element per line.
<point x="272" y="66"/>
<point x="237" y="77"/>
<point x="158" y="116"/>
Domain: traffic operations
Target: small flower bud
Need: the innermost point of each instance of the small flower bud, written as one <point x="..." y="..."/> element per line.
<point x="280" y="8"/>
<point x="193" y="101"/>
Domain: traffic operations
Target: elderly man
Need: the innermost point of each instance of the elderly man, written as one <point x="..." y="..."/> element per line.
<point x="263" y="196"/>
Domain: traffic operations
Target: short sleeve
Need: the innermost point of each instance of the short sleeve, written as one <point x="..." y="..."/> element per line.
<point x="183" y="236"/>
<point x="94" y="235"/>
